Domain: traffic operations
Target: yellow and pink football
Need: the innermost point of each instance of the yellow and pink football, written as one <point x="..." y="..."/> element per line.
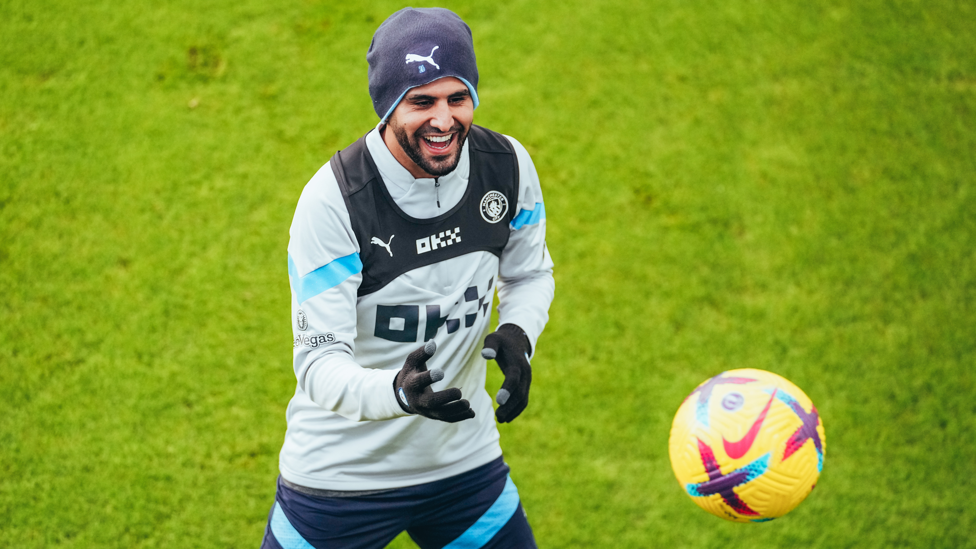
<point x="747" y="445"/>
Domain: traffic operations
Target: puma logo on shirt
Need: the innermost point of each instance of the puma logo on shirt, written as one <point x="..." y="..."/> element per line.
<point x="386" y="245"/>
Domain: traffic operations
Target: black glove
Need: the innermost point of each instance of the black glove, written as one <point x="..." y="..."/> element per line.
<point x="412" y="388"/>
<point x="510" y="348"/>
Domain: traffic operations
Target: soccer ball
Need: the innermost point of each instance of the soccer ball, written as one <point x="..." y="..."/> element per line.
<point x="747" y="445"/>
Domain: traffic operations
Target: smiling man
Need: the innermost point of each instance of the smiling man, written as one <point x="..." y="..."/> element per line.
<point x="397" y="248"/>
<point x="427" y="130"/>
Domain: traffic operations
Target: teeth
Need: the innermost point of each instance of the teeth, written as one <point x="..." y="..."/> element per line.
<point x="443" y="139"/>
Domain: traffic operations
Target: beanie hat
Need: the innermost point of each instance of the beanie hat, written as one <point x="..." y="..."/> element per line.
<point x="414" y="47"/>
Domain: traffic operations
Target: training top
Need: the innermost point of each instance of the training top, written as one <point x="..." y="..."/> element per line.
<point x="361" y="302"/>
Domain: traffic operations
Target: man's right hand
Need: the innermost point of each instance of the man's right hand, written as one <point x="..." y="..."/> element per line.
<point x="413" y="392"/>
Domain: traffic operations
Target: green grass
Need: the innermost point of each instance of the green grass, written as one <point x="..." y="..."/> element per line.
<point x="788" y="186"/>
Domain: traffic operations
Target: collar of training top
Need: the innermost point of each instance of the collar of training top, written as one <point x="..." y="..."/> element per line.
<point x="395" y="175"/>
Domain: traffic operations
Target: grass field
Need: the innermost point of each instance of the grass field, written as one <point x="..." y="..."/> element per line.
<point x="782" y="185"/>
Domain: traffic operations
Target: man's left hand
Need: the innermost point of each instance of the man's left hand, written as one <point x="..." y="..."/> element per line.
<point x="510" y="348"/>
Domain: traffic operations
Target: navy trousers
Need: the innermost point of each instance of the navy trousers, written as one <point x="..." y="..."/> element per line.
<point x="476" y="509"/>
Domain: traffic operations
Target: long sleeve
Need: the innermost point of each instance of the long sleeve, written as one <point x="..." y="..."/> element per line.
<point x="526" y="285"/>
<point x="325" y="271"/>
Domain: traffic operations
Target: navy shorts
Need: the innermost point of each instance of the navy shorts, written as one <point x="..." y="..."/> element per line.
<point x="476" y="509"/>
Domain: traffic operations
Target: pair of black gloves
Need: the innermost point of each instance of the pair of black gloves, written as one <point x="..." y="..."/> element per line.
<point x="508" y="346"/>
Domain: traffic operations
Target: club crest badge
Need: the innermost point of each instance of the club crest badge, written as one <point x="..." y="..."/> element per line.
<point x="494" y="206"/>
<point x="302" y="320"/>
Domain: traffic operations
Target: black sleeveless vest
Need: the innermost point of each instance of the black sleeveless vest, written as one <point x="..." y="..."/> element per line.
<point x="392" y="243"/>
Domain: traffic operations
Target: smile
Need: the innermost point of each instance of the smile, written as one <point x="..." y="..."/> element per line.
<point x="439" y="143"/>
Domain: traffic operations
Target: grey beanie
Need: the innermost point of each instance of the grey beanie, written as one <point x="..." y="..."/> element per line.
<point x="414" y="47"/>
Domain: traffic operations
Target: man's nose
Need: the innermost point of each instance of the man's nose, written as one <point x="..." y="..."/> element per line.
<point x="443" y="119"/>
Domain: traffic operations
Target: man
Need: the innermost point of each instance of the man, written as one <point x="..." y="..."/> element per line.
<point x="397" y="247"/>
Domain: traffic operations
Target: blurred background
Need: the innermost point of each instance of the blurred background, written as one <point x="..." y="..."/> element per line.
<point x="741" y="183"/>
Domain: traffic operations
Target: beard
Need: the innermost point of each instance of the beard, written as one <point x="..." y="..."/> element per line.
<point x="434" y="165"/>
